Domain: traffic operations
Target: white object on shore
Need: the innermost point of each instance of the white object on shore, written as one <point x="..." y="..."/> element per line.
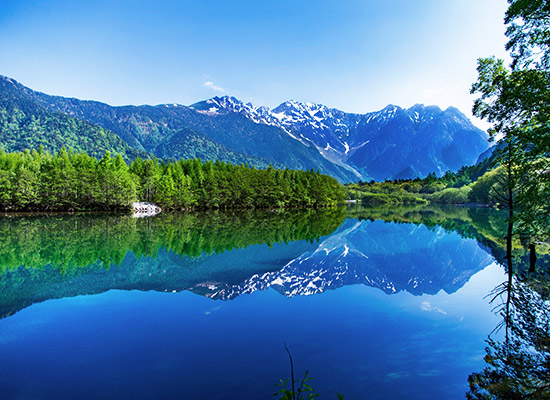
<point x="145" y="209"/>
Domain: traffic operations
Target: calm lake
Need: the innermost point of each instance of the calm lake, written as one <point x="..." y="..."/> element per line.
<point x="375" y="303"/>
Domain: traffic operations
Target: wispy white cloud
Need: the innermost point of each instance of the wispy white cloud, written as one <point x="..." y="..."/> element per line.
<point x="426" y="306"/>
<point x="213" y="86"/>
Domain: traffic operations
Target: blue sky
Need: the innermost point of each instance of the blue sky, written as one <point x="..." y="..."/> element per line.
<point x="356" y="55"/>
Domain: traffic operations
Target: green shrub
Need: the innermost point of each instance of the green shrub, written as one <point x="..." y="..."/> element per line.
<point x="381" y="198"/>
<point x="484" y="189"/>
<point x="452" y="196"/>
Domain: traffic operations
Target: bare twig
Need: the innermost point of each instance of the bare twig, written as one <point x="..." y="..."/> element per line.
<point x="291" y="371"/>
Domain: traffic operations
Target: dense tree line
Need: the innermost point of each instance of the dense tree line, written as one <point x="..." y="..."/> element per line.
<point x="68" y="180"/>
<point x="483" y="183"/>
<point x="452" y="188"/>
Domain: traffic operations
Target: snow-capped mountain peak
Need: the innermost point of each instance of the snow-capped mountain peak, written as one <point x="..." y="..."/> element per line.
<point x="227" y="104"/>
<point x="390" y="143"/>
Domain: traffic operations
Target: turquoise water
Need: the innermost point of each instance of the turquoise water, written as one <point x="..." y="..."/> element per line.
<point x="371" y="308"/>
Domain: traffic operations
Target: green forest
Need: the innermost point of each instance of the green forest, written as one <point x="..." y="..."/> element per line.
<point x="73" y="181"/>
<point x="470" y="184"/>
<point x="25" y="125"/>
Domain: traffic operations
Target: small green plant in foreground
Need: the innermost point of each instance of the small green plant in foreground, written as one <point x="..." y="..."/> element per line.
<point x="305" y="391"/>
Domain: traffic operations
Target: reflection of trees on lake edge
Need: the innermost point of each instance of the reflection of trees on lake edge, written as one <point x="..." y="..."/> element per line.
<point x="486" y="225"/>
<point x="45" y="257"/>
<point x="518" y="367"/>
<point x="70" y="243"/>
<point x="73" y="242"/>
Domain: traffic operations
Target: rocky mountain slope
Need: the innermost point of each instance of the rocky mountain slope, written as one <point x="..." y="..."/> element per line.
<point x="172" y="131"/>
<point x="390" y="143"/>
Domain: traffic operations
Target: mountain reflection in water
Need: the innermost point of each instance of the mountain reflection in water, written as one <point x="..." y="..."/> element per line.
<point x="409" y="318"/>
<point x="223" y="255"/>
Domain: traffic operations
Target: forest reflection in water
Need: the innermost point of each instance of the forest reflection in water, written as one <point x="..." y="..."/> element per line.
<point x="419" y="250"/>
<point x="57" y="256"/>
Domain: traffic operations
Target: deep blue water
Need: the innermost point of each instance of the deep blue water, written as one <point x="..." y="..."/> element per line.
<point x="355" y="324"/>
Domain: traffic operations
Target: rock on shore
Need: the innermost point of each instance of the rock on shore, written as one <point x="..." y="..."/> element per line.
<point x="145" y="209"/>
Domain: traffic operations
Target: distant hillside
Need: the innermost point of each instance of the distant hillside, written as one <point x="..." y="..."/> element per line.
<point x="428" y="140"/>
<point x="25" y="124"/>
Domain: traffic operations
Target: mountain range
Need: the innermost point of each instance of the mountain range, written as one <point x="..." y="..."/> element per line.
<point x="388" y="144"/>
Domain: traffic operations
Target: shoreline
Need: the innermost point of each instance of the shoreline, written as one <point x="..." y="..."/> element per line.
<point x="129" y="212"/>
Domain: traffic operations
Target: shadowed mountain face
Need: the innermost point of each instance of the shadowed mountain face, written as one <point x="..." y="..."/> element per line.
<point x="390" y="143"/>
<point x="224" y="255"/>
